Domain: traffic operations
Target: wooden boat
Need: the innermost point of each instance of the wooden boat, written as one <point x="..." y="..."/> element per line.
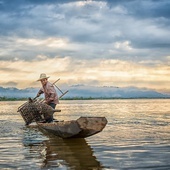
<point x="32" y="111"/>
<point x="80" y="128"/>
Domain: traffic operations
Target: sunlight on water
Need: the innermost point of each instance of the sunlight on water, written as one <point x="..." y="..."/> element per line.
<point x="137" y="136"/>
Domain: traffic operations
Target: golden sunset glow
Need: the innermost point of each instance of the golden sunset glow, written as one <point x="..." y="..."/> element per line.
<point x="105" y="72"/>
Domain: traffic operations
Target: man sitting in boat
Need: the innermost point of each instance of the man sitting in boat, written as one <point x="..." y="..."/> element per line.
<point x="51" y="97"/>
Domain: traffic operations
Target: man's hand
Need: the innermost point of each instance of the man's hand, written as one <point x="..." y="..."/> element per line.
<point x="46" y="102"/>
<point x="38" y="95"/>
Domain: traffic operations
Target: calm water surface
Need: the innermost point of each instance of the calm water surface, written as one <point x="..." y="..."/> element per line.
<point x="137" y="136"/>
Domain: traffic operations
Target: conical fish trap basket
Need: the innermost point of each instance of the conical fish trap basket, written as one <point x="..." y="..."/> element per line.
<point x="34" y="111"/>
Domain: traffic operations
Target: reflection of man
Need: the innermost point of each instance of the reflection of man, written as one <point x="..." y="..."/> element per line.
<point x="51" y="97"/>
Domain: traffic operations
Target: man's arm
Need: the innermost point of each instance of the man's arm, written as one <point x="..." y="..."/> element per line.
<point x="40" y="92"/>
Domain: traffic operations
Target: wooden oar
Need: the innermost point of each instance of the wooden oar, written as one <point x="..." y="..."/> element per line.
<point x="63" y="93"/>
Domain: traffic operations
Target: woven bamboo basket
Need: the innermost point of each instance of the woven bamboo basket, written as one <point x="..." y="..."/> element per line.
<point x="35" y="111"/>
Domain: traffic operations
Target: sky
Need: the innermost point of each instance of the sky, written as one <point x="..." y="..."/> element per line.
<point x="94" y="42"/>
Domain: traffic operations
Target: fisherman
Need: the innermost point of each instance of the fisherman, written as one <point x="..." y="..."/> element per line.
<point x="51" y="97"/>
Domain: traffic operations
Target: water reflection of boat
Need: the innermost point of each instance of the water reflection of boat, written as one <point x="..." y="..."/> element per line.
<point x="74" y="153"/>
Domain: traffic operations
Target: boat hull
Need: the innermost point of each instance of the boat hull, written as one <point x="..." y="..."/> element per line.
<point x="80" y="128"/>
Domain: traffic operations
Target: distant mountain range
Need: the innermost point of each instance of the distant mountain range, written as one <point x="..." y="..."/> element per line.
<point x="78" y="91"/>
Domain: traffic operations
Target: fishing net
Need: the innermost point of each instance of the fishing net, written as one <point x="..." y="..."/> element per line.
<point x="35" y="111"/>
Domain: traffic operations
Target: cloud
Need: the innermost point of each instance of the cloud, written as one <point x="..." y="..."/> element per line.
<point x="10" y="84"/>
<point x="92" y="41"/>
<point x="89" y="23"/>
